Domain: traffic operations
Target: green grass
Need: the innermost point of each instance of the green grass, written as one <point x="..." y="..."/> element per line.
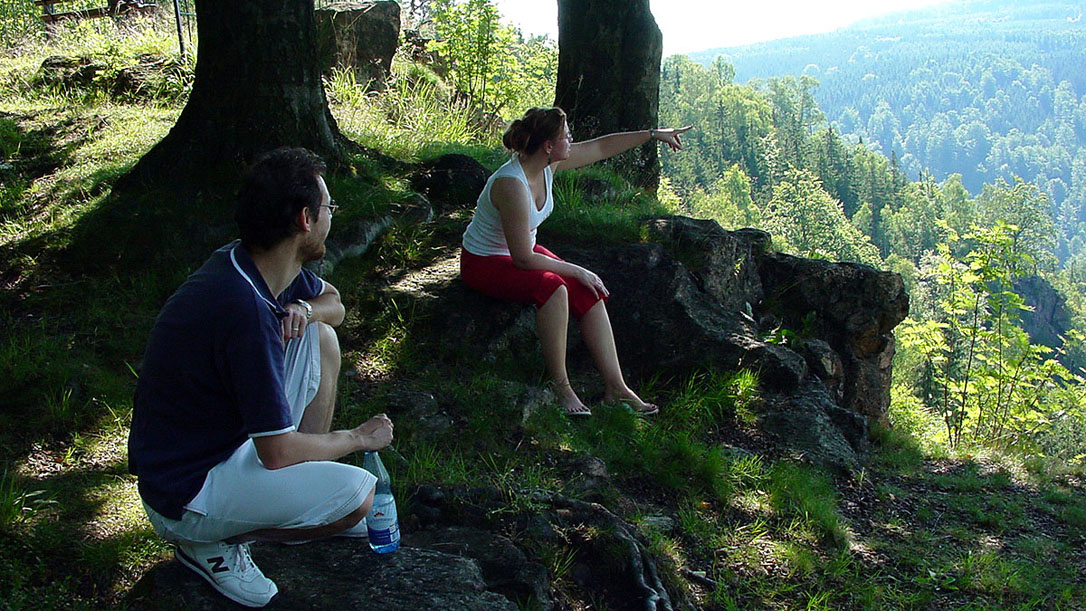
<point x="17" y="503"/>
<point x="97" y="43"/>
<point x="920" y="527"/>
<point x="614" y="216"/>
<point x="406" y="119"/>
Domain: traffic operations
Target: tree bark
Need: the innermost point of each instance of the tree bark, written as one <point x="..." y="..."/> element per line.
<point x="257" y="87"/>
<point x="609" y="54"/>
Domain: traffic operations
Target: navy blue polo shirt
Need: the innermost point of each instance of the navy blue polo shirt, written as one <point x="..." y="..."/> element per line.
<point x="212" y="376"/>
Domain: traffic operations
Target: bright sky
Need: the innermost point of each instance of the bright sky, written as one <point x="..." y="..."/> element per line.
<point x="696" y="25"/>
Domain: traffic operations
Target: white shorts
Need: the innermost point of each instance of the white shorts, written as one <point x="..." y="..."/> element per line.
<point x="240" y="495"/>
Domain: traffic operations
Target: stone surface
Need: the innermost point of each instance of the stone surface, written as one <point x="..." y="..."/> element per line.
<point x="451" y="181"/>
<point x="665" y="323"/>
<point x="414" y="48"/>
<point x="134" y="82"/>
<point x="353" y="237"/>
<point x="585" y="477"/>
<point x="663" y="524"/>
<point x="724" y="263"/>
<point x="1049" y="319"/>
<point x="420" y="413"/>
<point x="466" y="325"/>
<point x="504" y="567"/>
<point x="334" y="574"/>
<point x="803" y="428"/>
<point x="609" y="54"/>
<point x="825" y="363"/>
<point x="360" y="36"/>
<point x="853" y="308"/>
<point x="611" y="563"/>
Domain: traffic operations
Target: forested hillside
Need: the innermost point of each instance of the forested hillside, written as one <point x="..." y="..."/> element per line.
<point x="973" y="353"/>
<point x="989" y="90"/>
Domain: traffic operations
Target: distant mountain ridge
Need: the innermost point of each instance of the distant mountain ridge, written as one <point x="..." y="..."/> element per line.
<point x="989" y="89"/>
<point x="947" y="22"/>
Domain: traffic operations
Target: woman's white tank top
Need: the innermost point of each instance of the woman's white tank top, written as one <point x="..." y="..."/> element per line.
<point x="484" y="236"/>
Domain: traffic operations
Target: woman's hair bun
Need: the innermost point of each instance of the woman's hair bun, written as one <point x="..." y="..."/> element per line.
<point x="527" y="134"/>
<point x="516" y="137"/>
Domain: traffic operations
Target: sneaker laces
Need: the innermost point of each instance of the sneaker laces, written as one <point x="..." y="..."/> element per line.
<point x="244" y="559"/>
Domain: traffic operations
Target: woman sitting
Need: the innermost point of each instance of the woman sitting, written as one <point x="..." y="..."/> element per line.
<point x="500" y="257"/>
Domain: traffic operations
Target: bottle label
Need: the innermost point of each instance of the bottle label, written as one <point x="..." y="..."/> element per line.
<point x="384" y="536"/>
<point x="382" y="523"/>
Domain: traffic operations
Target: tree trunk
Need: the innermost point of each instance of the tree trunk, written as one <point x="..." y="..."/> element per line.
<point x="609" y="55"/>
<point x="258" y="87"/>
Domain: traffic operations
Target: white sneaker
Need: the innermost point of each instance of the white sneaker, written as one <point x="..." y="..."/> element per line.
<point x="230" y="570"/>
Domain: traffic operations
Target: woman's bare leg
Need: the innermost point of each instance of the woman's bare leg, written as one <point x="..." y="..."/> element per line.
<point x="600" y="339"/>
<point x="552" y="320"/>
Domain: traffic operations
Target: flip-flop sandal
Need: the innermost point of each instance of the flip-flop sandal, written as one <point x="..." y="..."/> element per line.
<point x="651" y="411"/>
<point x="577" y="412"/>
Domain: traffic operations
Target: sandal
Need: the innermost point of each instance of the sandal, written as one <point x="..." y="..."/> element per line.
<point x="650" y="409"/>
<point x="578" y="412"/>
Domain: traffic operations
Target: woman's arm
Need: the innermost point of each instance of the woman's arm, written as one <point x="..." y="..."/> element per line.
<point x="591" y="151"/>
<point x="512" y="200"/>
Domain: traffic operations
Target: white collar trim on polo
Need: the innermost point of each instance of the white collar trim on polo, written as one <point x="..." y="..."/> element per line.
<point x="274" y="306"/>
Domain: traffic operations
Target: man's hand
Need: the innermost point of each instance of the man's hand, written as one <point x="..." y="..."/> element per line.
<point x="294" y="324"/>
<point x="278" y="451"/>
<point x="375" y="433"/>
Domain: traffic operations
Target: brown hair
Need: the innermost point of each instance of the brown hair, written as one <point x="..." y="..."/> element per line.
<point x="273" y="190"/>
<point x="527" y="134"/>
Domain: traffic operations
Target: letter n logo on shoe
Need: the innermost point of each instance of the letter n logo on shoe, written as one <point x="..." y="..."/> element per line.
<point x="218" y="564"/>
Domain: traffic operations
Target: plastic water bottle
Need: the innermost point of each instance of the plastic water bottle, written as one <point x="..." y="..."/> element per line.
<point x="382" y="523"/>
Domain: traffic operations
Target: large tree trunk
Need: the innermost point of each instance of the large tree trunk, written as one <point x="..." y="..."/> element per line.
<point x="609" y="54"/>
<point x="258" y="87"/>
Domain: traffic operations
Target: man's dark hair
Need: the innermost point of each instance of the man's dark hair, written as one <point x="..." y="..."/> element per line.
<point x="273" y="190"/>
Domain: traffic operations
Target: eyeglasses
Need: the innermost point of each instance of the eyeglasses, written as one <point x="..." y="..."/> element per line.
<point x="332" y="207"/>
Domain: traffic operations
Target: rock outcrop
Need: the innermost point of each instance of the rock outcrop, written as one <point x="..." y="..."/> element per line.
<point x="708" y="297"/>
<point x="853" y="308"/>
<point x="442" y="563"/>
<point x="149" y="77"/>
<point x="818" y="334"/>
<point x="360" y="36"/>
<point x="1048" y="320"/>
<point x="451" y="181"/>
<point x="335" y="574"/>
<point x="609" y="54"/>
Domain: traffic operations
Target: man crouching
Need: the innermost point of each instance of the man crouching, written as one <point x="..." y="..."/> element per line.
<point x="230" y="430"/>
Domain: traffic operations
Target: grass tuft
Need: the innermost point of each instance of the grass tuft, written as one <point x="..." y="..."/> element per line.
<point x="17" y="503"/>
<point x="803" y="493"/>
<point x="407" y="118"/>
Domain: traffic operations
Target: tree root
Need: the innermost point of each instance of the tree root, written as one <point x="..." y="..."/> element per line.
<point x="638" y="578"/>
<point x="642" y="567"/>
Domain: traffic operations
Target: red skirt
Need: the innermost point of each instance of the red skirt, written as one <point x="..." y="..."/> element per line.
<point x="497" y="277"/>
